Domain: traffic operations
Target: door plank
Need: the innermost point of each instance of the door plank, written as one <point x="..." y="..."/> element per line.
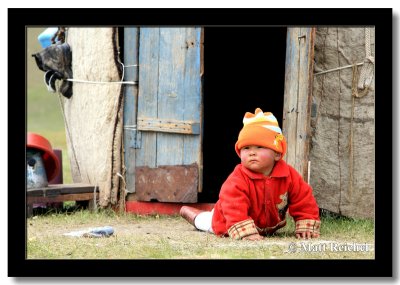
<point x="179" y="93"/>
<point x="149" y="49"/>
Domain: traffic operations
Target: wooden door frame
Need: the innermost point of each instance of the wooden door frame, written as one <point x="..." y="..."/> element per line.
<point x="297" y="97"/>
<point x="131" y="59"/>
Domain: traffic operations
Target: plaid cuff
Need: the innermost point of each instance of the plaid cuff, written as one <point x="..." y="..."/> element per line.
<point x="242" y="229"/>
<point x="308" y="226"/>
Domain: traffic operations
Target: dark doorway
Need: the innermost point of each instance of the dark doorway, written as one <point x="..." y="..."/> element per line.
<point x="244" y="68"/>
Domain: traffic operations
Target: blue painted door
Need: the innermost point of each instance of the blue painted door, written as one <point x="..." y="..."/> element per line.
<point x="163" y="118"/>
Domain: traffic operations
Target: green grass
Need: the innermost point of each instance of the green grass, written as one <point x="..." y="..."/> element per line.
<point x="44" y="111"/>
<point x="171" y="237"/>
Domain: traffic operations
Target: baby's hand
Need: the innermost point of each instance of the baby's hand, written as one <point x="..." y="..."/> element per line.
<point x="307" y="235"/>
<point x="253" y="237"/>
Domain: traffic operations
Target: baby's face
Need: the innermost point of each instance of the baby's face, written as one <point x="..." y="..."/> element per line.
<point x="258" y="158"/>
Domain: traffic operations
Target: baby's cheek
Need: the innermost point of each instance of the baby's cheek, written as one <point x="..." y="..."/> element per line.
<point x="266" y="155"/>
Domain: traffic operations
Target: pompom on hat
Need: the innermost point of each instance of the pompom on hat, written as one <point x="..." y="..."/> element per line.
<point x="261" y="129"/>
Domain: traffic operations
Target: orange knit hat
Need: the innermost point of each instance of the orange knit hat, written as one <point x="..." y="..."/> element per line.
<point x="261" y="129"/>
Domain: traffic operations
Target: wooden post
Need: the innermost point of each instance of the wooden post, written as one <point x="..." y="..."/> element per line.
<point x="131" y="54"/>
<point x="298" y="91"/>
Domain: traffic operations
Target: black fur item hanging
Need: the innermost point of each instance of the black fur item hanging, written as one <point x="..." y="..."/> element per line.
<point x="56" y="61"/>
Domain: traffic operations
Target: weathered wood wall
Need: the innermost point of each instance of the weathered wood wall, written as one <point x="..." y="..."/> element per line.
<point x="342" y="150"/>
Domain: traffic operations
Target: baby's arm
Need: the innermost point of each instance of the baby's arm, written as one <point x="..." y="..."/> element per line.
<point x="235" y="203"/>
<point x="303" y="208"/>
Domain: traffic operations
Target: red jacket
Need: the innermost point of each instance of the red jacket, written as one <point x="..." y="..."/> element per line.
<point x="251" y="203"/>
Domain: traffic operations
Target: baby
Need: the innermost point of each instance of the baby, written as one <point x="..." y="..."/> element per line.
<point x="255" y="197"/>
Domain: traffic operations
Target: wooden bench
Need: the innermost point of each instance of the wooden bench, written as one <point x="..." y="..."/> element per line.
<point x="61" y="193"/>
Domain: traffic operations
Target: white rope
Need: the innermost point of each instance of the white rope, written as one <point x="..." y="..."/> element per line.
<point x="109" y="82"/>
<point x="102" y="82"/>
<point x="124" y="186"/>
<point x="367" y="71"/>
<point x="123" y="180"/>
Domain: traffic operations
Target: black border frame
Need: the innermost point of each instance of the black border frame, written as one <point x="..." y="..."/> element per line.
<point x="19" y="266"/>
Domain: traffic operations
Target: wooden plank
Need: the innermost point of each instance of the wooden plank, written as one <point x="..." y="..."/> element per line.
<point x="131" y="60"/>
<point x="168" y="126"/>
<point x="42" y="192"/>
<point x="304" y="99"/>
<point x="58" y="189"/>
<point x="297" y="103"/>
<point x="171" y="99"/>
<point x="289" y="120"/>
<point x="193" y="96"/>
<point x="148" y="92"/>
<point x="61" y="198"/>
<point x="200" y="153"/>
<point x="179" y="93"/>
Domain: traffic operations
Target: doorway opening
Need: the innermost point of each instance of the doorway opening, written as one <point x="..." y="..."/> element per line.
<point x="244" y="68"/>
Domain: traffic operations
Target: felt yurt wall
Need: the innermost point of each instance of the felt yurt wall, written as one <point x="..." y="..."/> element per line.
<point x="93" y="115"/>
<point x="342" y="146"/>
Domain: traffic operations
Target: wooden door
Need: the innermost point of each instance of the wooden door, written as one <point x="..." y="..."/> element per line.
<point x="166" y="116"/>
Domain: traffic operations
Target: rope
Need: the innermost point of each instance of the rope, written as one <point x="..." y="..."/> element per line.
<point x="351" y="153"/>
<point x="109" y="82"/>
<point x="102" y="82"/>
<point x="363" y="83"/>
<point x="69" y="134"/>
<point x="354" y="85"/>
<point x="367" y="70"/>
